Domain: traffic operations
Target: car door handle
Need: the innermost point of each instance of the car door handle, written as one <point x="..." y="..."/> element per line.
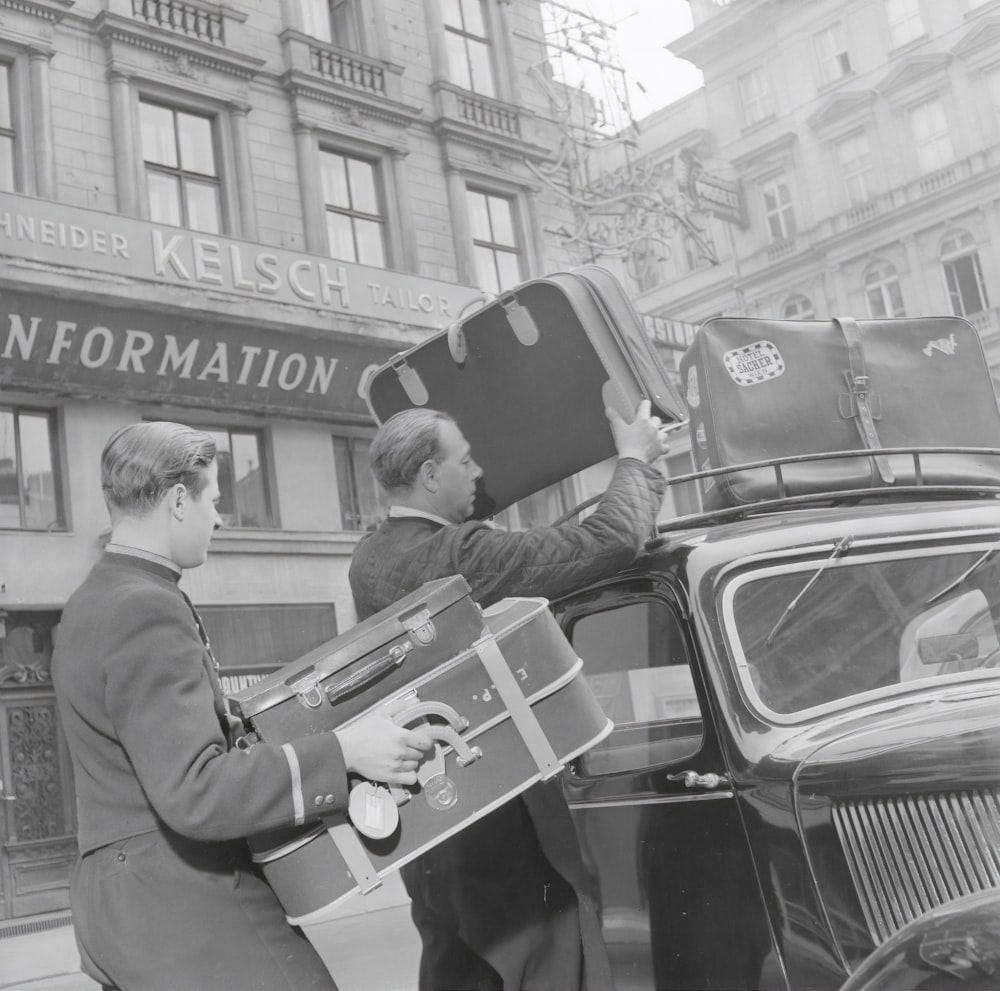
<point x="692" y="779"/>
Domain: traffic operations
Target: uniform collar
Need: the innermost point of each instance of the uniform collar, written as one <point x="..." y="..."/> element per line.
<point x="158" y="564"/>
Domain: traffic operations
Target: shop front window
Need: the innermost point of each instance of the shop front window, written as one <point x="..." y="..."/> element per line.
<point x="30" y="497"/>
<point x="242" y="481"/>
<point x="359" y="501"/>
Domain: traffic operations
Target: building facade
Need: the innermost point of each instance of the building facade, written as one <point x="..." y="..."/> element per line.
<point x="225" y="214"/>
<point x="841" y="158"/>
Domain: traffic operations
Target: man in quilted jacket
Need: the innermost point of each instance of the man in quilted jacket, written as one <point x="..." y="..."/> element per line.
<point x="506" y="902"/>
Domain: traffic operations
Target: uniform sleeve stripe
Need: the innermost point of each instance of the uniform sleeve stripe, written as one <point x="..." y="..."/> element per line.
<point x="298" y="803"/>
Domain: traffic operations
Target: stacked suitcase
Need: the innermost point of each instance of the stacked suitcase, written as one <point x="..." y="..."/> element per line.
<point x="500" y="690"/>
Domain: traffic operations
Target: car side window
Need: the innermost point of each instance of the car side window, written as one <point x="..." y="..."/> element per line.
<point x="636" y="661"/>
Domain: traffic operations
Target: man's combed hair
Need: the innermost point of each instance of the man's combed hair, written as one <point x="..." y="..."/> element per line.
<point x="403" y="443"/>
<point x="142" y="461"/>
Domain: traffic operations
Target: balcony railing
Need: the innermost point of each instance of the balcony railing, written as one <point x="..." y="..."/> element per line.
<point x="348" y="69"/>
<point x="184" y="18"/>
<point x="475" y="110"/>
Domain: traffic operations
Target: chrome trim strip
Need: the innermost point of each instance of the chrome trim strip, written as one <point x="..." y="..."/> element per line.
<point x="659" y="800"/>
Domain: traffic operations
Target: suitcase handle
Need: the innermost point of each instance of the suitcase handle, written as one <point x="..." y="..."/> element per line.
<point x="456" y="723"/>
<point x="369" y="672"/>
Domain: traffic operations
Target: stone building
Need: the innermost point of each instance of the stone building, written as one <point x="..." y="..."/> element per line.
<point x="225" y="214"/>
<point x="842" y="157"/>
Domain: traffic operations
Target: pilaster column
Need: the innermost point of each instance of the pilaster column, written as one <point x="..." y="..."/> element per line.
<point x="458" y="204"/>
<point x="534" y="249"/>
<point x="123" y="138"/>
<point x="41" y="113"/>
<point x="401" y="226"/>
<point x="244" y="174"/>
<point x="311" y="190"/>
<point x="916" y="298"/>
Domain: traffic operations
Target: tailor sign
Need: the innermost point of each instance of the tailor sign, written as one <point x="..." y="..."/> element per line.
<point x="59" y="234"/>
<point x="64" y="345"/>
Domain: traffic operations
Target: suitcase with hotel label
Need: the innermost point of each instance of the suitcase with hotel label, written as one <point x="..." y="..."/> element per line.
<point x="528" y="376"/>
<point x="507" y="711"/>
<point x="761" y="389"/>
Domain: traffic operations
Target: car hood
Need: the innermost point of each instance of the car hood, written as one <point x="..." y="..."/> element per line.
<point x="950" y="739"/>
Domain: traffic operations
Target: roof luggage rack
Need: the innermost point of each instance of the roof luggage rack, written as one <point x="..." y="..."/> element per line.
<point x="919" y="491"/>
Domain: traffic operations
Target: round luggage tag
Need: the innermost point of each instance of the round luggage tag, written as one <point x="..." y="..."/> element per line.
<point x="372" y="810"/>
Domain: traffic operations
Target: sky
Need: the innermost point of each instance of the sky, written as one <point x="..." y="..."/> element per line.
<point x="653" y="76"/>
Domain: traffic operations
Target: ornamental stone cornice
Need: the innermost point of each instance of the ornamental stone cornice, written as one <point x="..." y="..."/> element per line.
<point x="117" y="30"/>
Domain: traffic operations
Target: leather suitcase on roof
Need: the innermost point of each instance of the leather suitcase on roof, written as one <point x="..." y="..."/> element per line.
<point x="763" y="389"/>
<point x="509" y="710"/>
<point x="544" y="359"/>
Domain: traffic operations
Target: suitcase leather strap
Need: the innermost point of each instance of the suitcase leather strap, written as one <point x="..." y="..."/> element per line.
<point x="355" y="855"/>
<point x="862" y="404"/>
<point x="518" y="707"/>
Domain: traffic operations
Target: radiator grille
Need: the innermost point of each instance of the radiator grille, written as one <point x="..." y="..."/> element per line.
<point x="911" y="854"/>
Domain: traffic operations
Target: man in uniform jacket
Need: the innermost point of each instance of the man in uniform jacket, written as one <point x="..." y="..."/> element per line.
<point x="165" y="895"/>
<point x="506" y="902"/>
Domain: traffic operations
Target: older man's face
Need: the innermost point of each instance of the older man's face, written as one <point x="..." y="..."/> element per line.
<point x="456" y="474"/>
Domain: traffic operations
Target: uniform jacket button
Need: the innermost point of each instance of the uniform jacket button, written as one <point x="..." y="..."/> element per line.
<point x="330" y="799"/>
<point x="318" y="800"/>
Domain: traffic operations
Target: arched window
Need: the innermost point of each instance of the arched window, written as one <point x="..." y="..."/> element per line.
<point x="798" y="307"/>
<point x="885" y="298"/>
<point x="963" y="274"/>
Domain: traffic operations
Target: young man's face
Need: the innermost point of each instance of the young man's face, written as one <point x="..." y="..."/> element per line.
<point x="456" y="474"/>
<point x="200" y="518"/>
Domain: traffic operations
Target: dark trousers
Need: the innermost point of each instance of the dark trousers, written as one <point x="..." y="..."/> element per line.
<point x="162" y="913"/>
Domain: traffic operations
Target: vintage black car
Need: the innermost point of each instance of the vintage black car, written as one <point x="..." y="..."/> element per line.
<point x="806" y="756"/>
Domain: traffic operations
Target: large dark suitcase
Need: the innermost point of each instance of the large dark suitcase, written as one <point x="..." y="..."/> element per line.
<point x="550" y="355"/>
<point x="509" y="710"/>
<point x="762" y="389"/>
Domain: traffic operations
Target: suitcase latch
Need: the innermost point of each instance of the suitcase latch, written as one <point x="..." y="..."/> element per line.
<point x="308" y="690"/>
<point x="420" y="626"/>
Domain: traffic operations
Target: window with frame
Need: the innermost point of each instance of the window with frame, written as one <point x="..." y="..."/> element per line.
<point x="778" y="210"/>
<point x="963" y="274"/>
<point x="636" y="662"/>
<point x="883" y="292"/>
<point x="360" y="506"/>
<point x="183" y="185"/>
<point x="854" y="156"/>
<point x="494" y="239"/>
<point x="831" y="49"/>
<point x="355" y="220"/>
<point x="755" y="96"/>
<point x="30" y="488"/>
<point x="8" y="134"/>
<point x="470" y="58"/>
<point x="798" y="307"/>
<point x="245" y="500"/>
<point x="646" y="262"/>
<point x="931" y="136"/>
<point x="905" y="21"/>
<point x="336" y="22"/>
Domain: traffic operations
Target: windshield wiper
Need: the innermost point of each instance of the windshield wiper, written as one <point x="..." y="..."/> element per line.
<point x="978" y="563"/>
<point x="838" y="551"/>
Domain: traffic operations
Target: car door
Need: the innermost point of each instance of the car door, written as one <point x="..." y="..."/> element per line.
<point x="657" y="818"/>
